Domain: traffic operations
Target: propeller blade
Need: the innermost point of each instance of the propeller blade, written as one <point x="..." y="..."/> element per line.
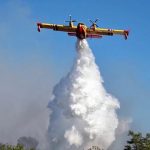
<point x="69" y="16"/>
<point x="70" y="21"/>
<point x="91" y="21"/>
<point x="94" y="23"/>
<point x="96" y="20"/>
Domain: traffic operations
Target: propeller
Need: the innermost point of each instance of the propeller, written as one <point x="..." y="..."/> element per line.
<point x="70" y="19"/>
<point x="94" y="23"/>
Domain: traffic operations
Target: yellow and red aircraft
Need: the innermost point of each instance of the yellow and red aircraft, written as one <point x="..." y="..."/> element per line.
<point x="82" y="31"/>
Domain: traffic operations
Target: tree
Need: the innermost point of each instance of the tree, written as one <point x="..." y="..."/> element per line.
<point x="28" y="142"/>
<point x="138" y="142"/>
<point x="10" y="147"/>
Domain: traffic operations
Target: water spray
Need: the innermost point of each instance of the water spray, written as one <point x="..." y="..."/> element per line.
<point x="82" y="112"/>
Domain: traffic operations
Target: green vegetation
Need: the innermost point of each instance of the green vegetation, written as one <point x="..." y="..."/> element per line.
<point x="138" y="142"/>
<point x="10" y="147"/>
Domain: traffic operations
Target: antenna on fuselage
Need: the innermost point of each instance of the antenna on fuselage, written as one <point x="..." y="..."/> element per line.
<point x="70" y="21"/>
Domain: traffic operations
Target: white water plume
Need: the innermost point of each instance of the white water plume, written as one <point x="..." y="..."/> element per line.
<point x="82" y="112"/>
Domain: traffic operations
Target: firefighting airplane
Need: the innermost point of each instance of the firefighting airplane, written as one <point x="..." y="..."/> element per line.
<point x="81" y="31"/>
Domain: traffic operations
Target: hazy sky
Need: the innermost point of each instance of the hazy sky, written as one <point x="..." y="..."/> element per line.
<point x="31" y="62"/>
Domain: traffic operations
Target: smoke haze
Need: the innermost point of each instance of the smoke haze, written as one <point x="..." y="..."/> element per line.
<point x="25" y="80"/>
<point x="23" y="101"/>
<point x="82" y="112"/>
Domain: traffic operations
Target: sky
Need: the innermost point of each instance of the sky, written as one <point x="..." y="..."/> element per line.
<point x="31" y="63"/>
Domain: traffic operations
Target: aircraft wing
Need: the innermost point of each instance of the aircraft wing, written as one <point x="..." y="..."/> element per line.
<point x="57" y="27"/>
<point x="109" y="32"/>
